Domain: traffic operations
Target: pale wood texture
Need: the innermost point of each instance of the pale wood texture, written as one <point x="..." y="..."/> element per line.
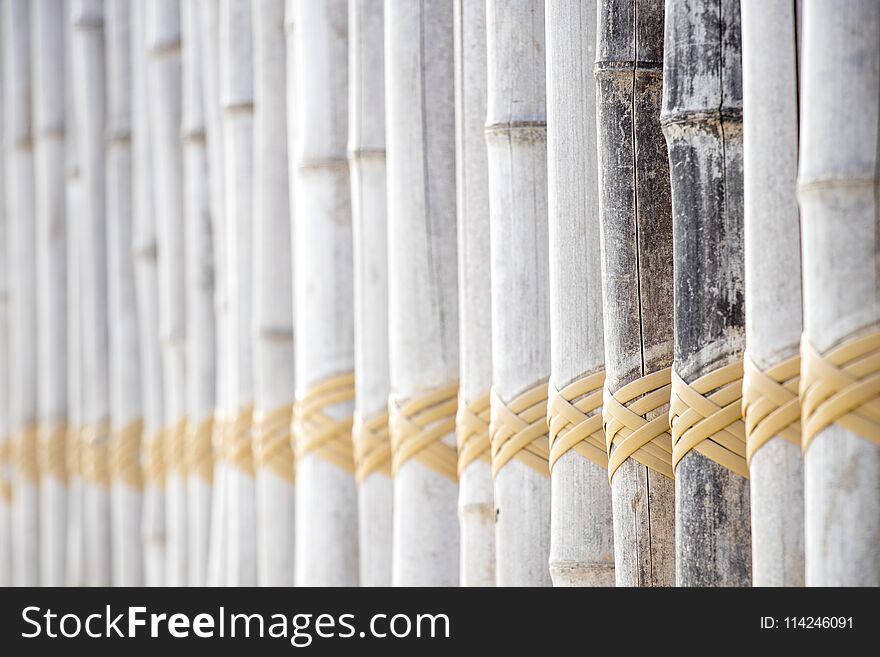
<point x="838" y="195"/>
<point x="366" y="156"/>
<point x="422" y="291"/>
<point x="476" y="500"/>
<point x="773" y="272"/>
<point x="637" y="281"/>
<point x="516" y="143"/>
<point x="581" y="549"/>
<point x="702" y="122"/>
<point x="273" y="293"/>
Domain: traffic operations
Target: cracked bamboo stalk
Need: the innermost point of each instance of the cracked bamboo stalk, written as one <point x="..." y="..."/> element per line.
<point x="773" y="272"/>
<point x="476" y="505"/>
<point x="147" y="285"/>
<point x="637" y="280"/>
<point x="366" y="157"/>
<point x="837" y="189"/>
<point x="237" y="99"/>
<point x="702" y="123"/>
<point x="517" y="156"/>
<point x="5" y="355"/>
<point x="422" y="285"/>
<point x="273" y="293"/>
<point x="51" y="243"/>
<point x="326" y="495"/>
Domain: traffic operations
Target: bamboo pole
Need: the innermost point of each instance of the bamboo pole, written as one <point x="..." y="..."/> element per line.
<point x="702" y="122"/>
<point x="201" y="353"/>
<point x="366" y="157"/>
<point x="581" y="539"/>
<point x="773" y="273"/>
<point x="422" y="290"/>
<point x="476" y="506"/>
<point x="51" y="263"/>
<point x="637" y="279"/>
<point x="273" y="301"/>
<point x="89" y="94"/>
<point x="147" y="286"/>
<point x="5" y="356"/>
<point x="237" y="97"/>
<point x="838" y="195"/>
<point x="326" y="500"/>
<point x="517" y="157"/>
<point x="22" y="290"/>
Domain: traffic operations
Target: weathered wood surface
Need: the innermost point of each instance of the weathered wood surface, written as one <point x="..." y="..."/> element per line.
<point x="476" y="499"/>
<point x="366" y="157"/>
<point x="637" y="278"/>
<point x="581" y="548"/>
<point x="5" y="355"/>
<point x="838" y="196"/>
<point x="702" y="122"/>
<point x="273" y="293"/>
<point x="422" y="292"/>
<point x="773" y="272"/>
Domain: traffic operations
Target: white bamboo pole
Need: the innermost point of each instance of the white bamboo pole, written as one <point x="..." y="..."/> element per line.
<point x="773" y="277"/>
<point x="273" y="301"/>
<point x="147" y="285"/>
<point x="237" y="97"/>
<point x="637" y="281"/>
<point x="22" y="289"/>
<point x="5" y="456"/>
<point x="422" y="289"/>
<point x="89" y="93"/>
<point x="476" y="505"/>
<point x="838" y="194"/>
<point x="164" y="88"/>
<point x="517" y="155"/>
<point x="125" y="370"/>
<point x="48" y="124"/>
<point x="200" y="347"/>
<point x="326" y="500"/>
<point x="366" y="157"/>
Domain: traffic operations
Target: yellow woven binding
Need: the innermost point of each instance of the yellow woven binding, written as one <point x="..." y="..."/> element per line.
<point x="841" y="387"/>
<point x="372" y="446"/>
<point x="238" y="447"/>
<point x="574" y="418"/>
<point x="272" y="446"/>
<point x="770" y="403"/>
<point x="472" y="431"/>
<point x="5" y="463"/>
<point x="154" y="460"/>
<point x="125" y="451"/>
<point x="628" y="434"/>
<point x="314" y="431"/>
<point x="418" y="427"/>
<point x="200" y="449"/>
<point x="96" y="454"/>
<point x="24" y="455"/>
<point x="518" y="430"/>
<point x="52" y="453"/>
<point x="706" y="415"/>
<point x="175" y="448"/>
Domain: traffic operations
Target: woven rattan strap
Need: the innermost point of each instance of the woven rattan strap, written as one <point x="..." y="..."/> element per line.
<point x="125" y="455"/>
<point x="24" y="455"/>
<point x="200" y="449"/>
<point x="96" y="454"/>
<point x="316" y="432"/>
<point x="175" y="448"/>
<point x="52" y="453"/>
<point x="5" y="464"/>
<point x="770" y="403"/>
<point x="237" y="444"/>
<point x="574" y="417"/>
<point x="629" y="434"/>
<point x="472" y="431"/>
<point x="273" y="450"/>
<point x="154" y="460"/>
<point x="842" y="388"/>
<point x="418" y="428"/>
<point x="73" y="451"/>
<point x="518" y="430"/>
<point x="706" y="416"/>
<point x="372" y="446"/>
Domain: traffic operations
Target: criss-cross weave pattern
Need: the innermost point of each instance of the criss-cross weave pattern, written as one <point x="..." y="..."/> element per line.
<point x="770" y="403"/>
<point x="842" y="388"/>
<point x="518" y="430"/>
<point x="372" y="446"/>
<point x="706" y="416"/>
<point x="316" y="432"/>
<point x="628" y="434"/>
<point x="472" y="430"/>
<point x="237" y="444"/>
<point x="418" y="427"/>
<point x="574" y="418"/>
<point x="273" y="451"/>
<point x="96" y="454"/>
<point x="73" y="451"/>
<point x="24" y="455"/>
<point x="154" y="459"/>
<point x="175" y="448"/>
<point x="125" y="450"/>
<point x="52" y="453"/>
<point x="200" y="449"/>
